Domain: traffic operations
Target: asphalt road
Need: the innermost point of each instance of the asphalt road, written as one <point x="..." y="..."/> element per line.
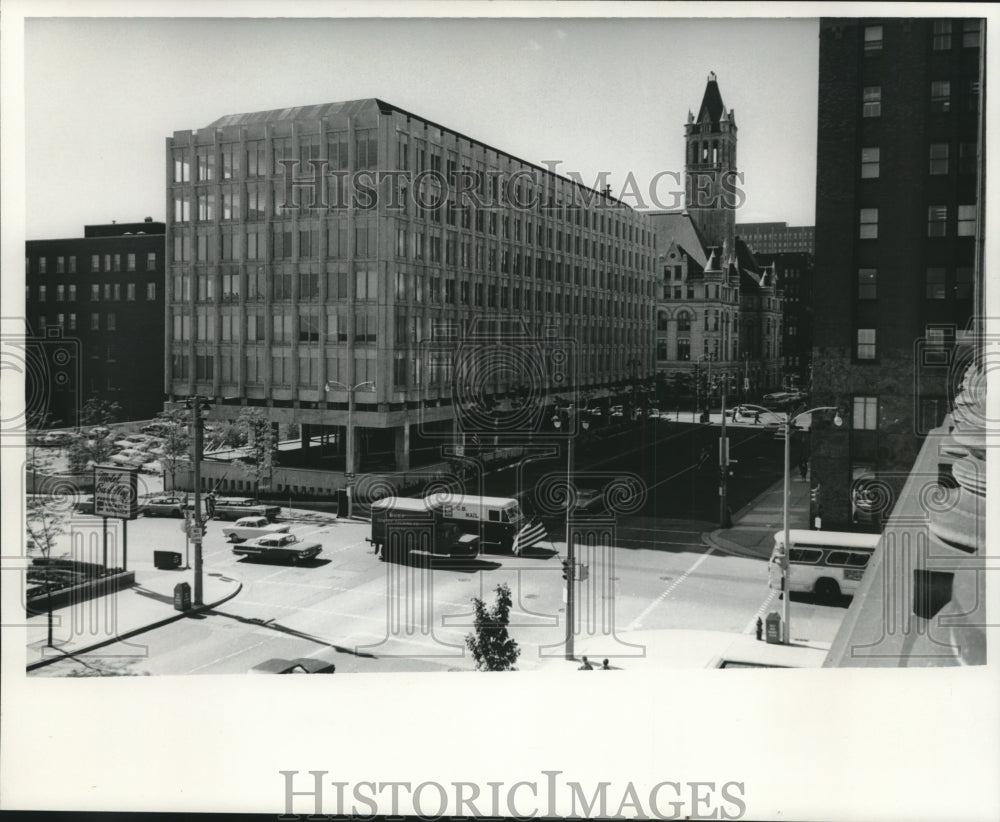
<point x="346" y="607"/>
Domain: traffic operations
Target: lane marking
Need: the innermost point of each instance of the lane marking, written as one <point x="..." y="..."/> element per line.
<point x="637" y="622"/>
<point x="752" y="624"/>
<point x="227" y="656"/>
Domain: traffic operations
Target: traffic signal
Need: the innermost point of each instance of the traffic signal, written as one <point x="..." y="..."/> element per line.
<point x="565" y="569"/>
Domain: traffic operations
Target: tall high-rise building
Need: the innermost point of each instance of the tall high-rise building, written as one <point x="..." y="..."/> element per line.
<point x="406" y="236"/>
<point x="898" y="242"/>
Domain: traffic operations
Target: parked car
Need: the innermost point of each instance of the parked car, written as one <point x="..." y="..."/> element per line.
<point x="84" y="505"/>
<point x="97" y="432"/>
<point x="166" y="507"/>
<point x="130" y="457"/>
<point x="55" y="438"/>
<point x="302" y="665"/>
<point x="251" y="528"/>
<point x="237" y="507"/>
<point x="284" y="547"/>
<point x="158" y="429"/>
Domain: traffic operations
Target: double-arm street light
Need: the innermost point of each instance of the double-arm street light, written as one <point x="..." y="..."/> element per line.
<point x="786" y="551"/>
<point x="349" y="455"/>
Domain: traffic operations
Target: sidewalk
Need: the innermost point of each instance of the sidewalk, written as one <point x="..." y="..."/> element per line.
<point x="87" y="626"/>
<point x="752" y="533"/>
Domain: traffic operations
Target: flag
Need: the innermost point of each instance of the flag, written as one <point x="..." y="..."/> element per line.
<point x="529" y="535"/>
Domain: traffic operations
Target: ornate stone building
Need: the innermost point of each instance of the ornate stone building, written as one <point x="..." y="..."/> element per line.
<point x="718" y="310"/>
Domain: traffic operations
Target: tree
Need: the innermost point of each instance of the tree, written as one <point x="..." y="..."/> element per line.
<point x="491" y="645"/>
<point x="96" y="411"/>
<point x="45" y="519"/>
<point x="176" y="443"/>
<point x="83" y="453"/>
<point x="261" y="448"/>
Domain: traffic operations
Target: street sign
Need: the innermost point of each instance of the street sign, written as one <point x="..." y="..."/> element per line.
<point x="116" y="492"/>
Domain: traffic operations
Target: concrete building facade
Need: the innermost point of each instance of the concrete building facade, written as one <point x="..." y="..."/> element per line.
<point x="103" y="294"/>
<point x="393" y="241"/>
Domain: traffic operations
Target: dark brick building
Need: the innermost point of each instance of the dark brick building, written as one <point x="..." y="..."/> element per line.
<point x="778" y="238"/>
<point x="103" y="294"/>
<point x="794" y="272"/>
<point x="898" y="241"/>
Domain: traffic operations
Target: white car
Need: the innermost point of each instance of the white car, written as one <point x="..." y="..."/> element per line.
<point x="253" y="527"/>
<point x="130" y="456"/>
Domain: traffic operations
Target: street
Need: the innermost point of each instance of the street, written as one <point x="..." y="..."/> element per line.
<point x="363" y="615"/>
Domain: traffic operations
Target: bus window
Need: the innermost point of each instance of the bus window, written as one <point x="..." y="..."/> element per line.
<point x="858" y="560"/>
<point x="494" y="516"/>
<point x="806" y="555"/>
<point x="836" y="558"/>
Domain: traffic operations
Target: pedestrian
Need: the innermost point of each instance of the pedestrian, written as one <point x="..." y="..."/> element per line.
<point x="756" y="417"/>
<point x="804" y="467"/>
<point x="605" y="666"/>
<point x="586" y="666"/>
<point x="210" y="504"/>
<point x="760" y="628"/>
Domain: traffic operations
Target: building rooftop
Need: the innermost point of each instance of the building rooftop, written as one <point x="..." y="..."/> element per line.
<point x="320" y="110"/>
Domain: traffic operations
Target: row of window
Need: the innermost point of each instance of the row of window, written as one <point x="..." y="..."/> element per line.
<point x="939" y="160"/>
<point x="937" y="283"/>
<point x="111" y="262"/>
<point x="112" y="291"/>
<point x="408" y="369"/>
<point x="937" y="222"/>
<point x="940" y="97"/>
<point x="941" y="36"/>
<point x="492" y="185"/>
<point x="409" y="287"/>
<point x="432" y="247"/>
<point x="67" y="322"/>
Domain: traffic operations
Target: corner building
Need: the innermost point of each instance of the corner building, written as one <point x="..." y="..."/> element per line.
<point x="269" y="302"/>
<point x="899" y="184"/>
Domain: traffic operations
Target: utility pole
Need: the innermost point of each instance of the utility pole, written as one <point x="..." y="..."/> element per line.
<point x="723" y="461"/>
<point x="196" y="461"/>
<point x="570" y="549"/>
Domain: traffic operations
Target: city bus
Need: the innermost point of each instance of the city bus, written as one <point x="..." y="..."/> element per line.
<point x="827" y="563"/>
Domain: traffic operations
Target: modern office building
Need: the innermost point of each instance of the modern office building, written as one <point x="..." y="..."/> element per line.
<point x="718" y="310"/>
<point x="898" y="246"/>
<point x="407" y="238"/>
<point x="102" y="296"/>
<point x="778" y="238"/>
<point x="794" y="272"/>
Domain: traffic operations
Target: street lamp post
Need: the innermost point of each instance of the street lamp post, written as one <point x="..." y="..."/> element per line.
<point x="786" y="552"/>
<point x="570" y="549"/>
<point x="349" y="455"/>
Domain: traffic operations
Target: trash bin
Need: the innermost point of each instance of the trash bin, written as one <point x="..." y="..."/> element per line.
<point x="773" y="628"/>
<point x="342" y="502"/>
<point x="182" y="597"/>
<point x="166" y="560"/>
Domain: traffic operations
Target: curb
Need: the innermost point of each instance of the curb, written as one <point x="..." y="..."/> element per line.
<point x="713" y="539"/>
<point x="135" y="631"/>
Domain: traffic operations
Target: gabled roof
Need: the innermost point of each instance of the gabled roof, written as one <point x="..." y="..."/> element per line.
<point x="678" y="227"/>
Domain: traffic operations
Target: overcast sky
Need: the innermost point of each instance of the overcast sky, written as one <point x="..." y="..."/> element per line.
<point x="598" y="95"/>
